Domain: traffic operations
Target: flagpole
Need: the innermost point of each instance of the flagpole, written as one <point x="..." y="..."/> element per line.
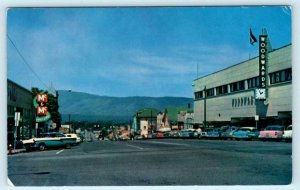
<point x="197" y="70"/>
<point x="249" y="47"/>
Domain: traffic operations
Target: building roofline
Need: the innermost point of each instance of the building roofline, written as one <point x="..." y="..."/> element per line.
<point x="19" y="85"/>
<point x="240" y="63"/>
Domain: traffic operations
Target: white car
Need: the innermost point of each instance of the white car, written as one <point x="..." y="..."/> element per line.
<point x="287" y="134"/>
<point x="49" y="140"/>
<point x="78" y="140"/>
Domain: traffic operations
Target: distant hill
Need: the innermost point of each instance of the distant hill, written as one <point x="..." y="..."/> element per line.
<point x="88" y="107"/>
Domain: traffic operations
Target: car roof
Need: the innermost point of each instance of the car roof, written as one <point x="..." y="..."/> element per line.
<point x="52" y="133"/>
<point x="276" y="126"/>
<point x="247" y="128"/>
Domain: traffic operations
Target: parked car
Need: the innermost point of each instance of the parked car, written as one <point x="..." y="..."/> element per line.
<point x="203" y="133"/>
<point x="271" y="132"/>
<point x="123" y="137"/>
<point x="139" y="137"/>
<point x="247" y="133"/>
<point x="166" y="133"/>
<point x="78" y="139"/>
<point x="174" y="133"/>
<point x="288" y="134"/>
<point x="197" y="132"/>
<point x="159" y="135"/>
<point x="214" y="133"/>
<point x="151" y="135"/>
<point x="227" y="131"/>
<point x="49" y="140"/>
<point x="186" y="134"/>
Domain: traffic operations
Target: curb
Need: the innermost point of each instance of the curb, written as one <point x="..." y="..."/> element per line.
<point x="16" y="151"/>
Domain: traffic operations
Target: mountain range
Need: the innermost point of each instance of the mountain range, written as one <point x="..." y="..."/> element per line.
<point x="88" y="107"/>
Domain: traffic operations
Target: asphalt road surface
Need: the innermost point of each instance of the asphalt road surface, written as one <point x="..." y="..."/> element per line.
<point x="155" y="162"/>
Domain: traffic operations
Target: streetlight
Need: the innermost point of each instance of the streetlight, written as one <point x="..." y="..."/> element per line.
<point x="69" y="117"/>
<point x="69" y="123"/>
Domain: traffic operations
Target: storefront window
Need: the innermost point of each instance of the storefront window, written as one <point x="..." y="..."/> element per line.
<point x="281" y="76"/>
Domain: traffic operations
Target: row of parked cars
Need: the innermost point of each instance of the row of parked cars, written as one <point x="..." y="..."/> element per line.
<point x="51" y="140"/>
<point x="271" y="132"/>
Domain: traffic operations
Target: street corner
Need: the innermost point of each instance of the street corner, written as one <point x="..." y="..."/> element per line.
<point x="15" y="151"/>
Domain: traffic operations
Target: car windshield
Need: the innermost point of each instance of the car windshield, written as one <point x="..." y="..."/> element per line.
<point x="244" y="129"/>
<point x="274" y="128"/>
<point x="289" y="128"/>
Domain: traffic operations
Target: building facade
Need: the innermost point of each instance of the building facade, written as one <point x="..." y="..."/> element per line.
<point x="185" y="119"/>
<point x="19" y="99"/>
<point x="228" y="96"/>
<point x="145" y="120"/>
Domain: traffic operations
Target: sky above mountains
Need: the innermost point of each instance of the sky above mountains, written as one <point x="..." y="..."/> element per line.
<point x="134" y="51"/>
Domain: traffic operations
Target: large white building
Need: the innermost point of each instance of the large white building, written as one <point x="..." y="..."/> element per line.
<point x="230" y="93"/>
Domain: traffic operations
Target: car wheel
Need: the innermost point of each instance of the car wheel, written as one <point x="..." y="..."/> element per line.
<point x="42" y="147"/>
<point x="68" y="146"/>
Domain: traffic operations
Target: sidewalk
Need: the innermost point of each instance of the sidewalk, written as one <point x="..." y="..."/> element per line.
<point x="16" y="151"/>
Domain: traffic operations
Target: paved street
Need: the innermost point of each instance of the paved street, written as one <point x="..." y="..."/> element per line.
<point x="155" y="162"/>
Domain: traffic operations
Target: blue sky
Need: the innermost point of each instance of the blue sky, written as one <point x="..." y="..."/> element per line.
<point x="135" y="51"/>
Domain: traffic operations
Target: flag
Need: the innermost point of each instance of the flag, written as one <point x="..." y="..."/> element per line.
<point x="252" y="38"/>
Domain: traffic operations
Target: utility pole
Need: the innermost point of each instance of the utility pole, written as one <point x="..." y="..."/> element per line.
<point x="204" y="122"/>
<point x="69" y="123"/>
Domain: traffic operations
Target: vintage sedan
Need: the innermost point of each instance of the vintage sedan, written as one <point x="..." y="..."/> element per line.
<point x="288" y="134"/>
<point x="203" y="133"/>
<point x="247" y="133"/>
<point x="123" y="137"/>
<point x="227" y="132"/>
<point x="213" y="133"/>
<point x="174" y="133"/>
<point x="72" y="135"/>
<point x="272" y="132"/>
<point x="49" y="140"/>
<point x="159" y="135"/>
<point x="187" y="134"/>
<point x="151" y="136"/>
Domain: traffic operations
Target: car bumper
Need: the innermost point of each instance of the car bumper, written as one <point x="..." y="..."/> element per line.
<point x="241" y="137"/>
<point x="30" y="146"/>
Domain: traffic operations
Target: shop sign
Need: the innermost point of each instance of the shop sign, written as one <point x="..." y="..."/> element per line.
<point x="262" y="60"/>
<point x="39" y="102"/>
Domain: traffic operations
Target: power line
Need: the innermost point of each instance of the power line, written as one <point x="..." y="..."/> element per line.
<point x="26" y="62"/>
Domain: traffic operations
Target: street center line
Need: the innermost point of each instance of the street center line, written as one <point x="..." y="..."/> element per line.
<point x="135" y="146"/>
<point x="60" y="151"/>
<point x="159" y="142"/>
